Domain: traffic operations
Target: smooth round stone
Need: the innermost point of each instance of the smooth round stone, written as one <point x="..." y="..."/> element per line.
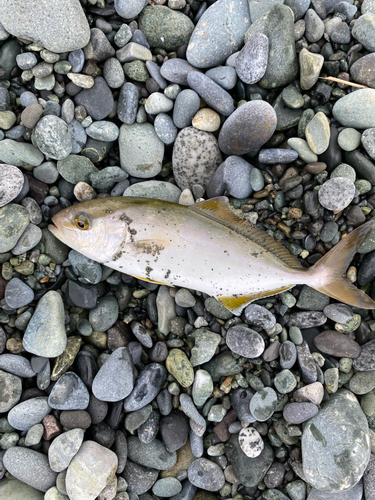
<point x="28" y="413"/>
<point x="127" y="105"/>
<point x="337" y="344"/>
<point x="14" y="219"/>
<point x="158" y="190"/>
<point x="276" y="155"/>
<point x="26" y="61"/>
<point x="206" y="475"/>
<point x="259" y="316"/>
<point x="362" y="71"/>
<point x="196" y="156"/>
<point x="251" y="62"/>
<point x="69" y="393"/>
<point x="218" y="33"/>
<point x="141" y="150"/>
<point x="54" y="493"/>
<point x="356" y="109"/>
<point x="165" y="28"/>
<point x="11" y="183"/>
<point x="206" y="119"/>
<point x="139" y="479"/>
<point x="355" y="493"/>
<point x="344" y="170"/>
<point x="247" y="128"/>
<point x="98" y="101"/>
<point x="328" y="435"/>
<point x="29" y="239"/>
<point x="137" y="418"/>
<point x="310" y="67"/>
<point x="167" y="487"/>
<point x="297" y="413"/>
<point x="7" y="119"/>
<point x="103" y="131"/>
<point x="337" y="193"/>
<point x="85" y="267"/>
<point x="46" y="172"/>
<point x="105" y="314"/>
<point x="10" y="391"/>
<point x="311" y="393"/>
<point x="303" y="149"/>
<point x="180" y="367"/>
<point x="115" y="379"/>
<point x="186" y="106"/>
<point x="17" y="489"/>
<point x="106" y="178"/>
<point x="285" y="382"/>
<point x="63" y="449"/>
<point x="79" y="137"/>
<point x="76" y="169"/>
<point x="212" y="93"/>
<point x="18" y="294"/>
<point x="318" y="133"/>
<point x="113" y="73"/>
<point x="245" y="342"/>
<point x="45" y="334"/>
<point x="17" y="365"/>
<point x="165" y="129"/>
<point x="263" y="404"/>
<point x="251" y="442"/>
<point x="151" y="454"/>
<point x="202" y="387"/>
<point x="52" y="137"/>
<point x="233" y="176"/>
<point x="288" y="355"/>
<point x="364" y="31"/>
<point x="90" y="470"/>
<point x="30" y="467"/>
<point x="349" y="139"/>
<point x="362" y="382"/>
<point x="158" y="103"/>
<point x="31" y="115"/>
<point x="147" y="386"/>
<point x="129" y="9"/>
<point x="225" y="76"/>
<point x="176" y="70"/>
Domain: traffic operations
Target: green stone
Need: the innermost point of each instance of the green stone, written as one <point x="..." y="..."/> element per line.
<point x="224" y="364"/>
<point x="136" y="70"/>
<point x="345" y="365"/>
<point x="216" y="413"/>
<point x="368" y="403"/>
<point x="281" y="429"/>
<point x="165" y="28"/>
<point x="66" y="359"/>
<point x="318" y="133"/>
<point x="351" y="326"/>
<point x="76" y="169"/>
<point x="357" y="109"/>
<point x="7" y="119"/>
<point x="310" y="66"/>
<point x="295" y="335"/>
<point x="62" y="67"/>
<point x="26" y="268"/>
<point x="202" y="387"/>
<point x="7" y="271"/>
<point x="8" y="440"/>
<point x="180" y="367"/>
<point x="344" y="170"/>
<point x="54" y="248"/>
<point x="285" y="382"/>
<point x="303" y="149"/>
<point x="362" y="382"/>
<point x="363" y="186"/>
<point x="13" y="489"/>
<point x="296" y="490"/>
<point x="331" y="380"/>
<point x="14" y="219"/>
<point x="288" y="299"/>
<point x="216" y="309"/>
<point x="286" y="117"/>
<point x="206" y="343"/>
<point x="349" y="139"/>
<point x="292" y="97"/>
<point x="306" y="118"/>
<point x="8" y="53"/>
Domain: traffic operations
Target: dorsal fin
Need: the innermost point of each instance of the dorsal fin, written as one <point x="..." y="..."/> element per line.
<point x="218" y="209"/>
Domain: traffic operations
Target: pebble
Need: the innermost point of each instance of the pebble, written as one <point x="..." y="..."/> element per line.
<point x="17" y="365"/>
<point x="103" y="131"/>
<point x="206" y="119"/>
<point x="337" y="344"/>
<point x="364" y="31"/>
<point x="108" y="387"/>
<point x="245" y="342"/>
<point x="13" y="222"/>
<point x="233" y="176"/>
<point x="259" y="316"/>
<point x="63" y="448"/>
<point x="212" y="93"/>
<point x="288" y="355"/>
<point x="18" y="294"/>
<point x="202" y="387"/>
<point x="186" y="105"/>
<point x="28" y="240"/>
<point x="356" y="109"/>
<point x="141" y="150"/>
<point x="151" y="454"/>
<point x="30" y="467"/>
<point x="159" y="190"/>
<point x="76" y="169"/>
<point x="251" y="442"/>
<point x="238" y="134"/>
<point x="105" y="314"/>
<point x="28" y="413"/>
<point x="11" y="182"/>
<point x="336" y="193"/>
<point x="165" y="129"/>
<point x="190" y="146"/>
<point x="326" y="435"/>
<point x="318" y="133"/>
<point x="251" y="62"/>
<point x="180" y="367"/>
<point x="45" y="334"/>
<point x="297" y="413"/>
<point x="206" y="475"/>
<point x="69" y="393"/>
<point x="285" y="382"/>
<point x="210" y="44"/>
<point x="97" y="100"/>
<point x="147" y="386"/>
<point x="167" y="487"/>
<point x="365" y="360"/>
<point x="206" y="343"/>
<point x="10" y="391"/>
<point x="225" y="76"/>
<point x="90" y="470"/>
<point x="263" y="404"/>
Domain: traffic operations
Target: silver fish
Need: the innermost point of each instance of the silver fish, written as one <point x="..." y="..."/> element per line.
<point x="204" y="247"/>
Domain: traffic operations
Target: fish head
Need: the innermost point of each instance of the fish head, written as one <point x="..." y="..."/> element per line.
<point x="97" y="228"/>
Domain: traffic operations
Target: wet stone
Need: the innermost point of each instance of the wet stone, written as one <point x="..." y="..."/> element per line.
<point x="69" y="393"/>
<point x="263" y="404"/>
<point x="206" y="475"/>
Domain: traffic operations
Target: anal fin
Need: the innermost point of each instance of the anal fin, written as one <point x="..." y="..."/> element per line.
<point x="236" y="303"/>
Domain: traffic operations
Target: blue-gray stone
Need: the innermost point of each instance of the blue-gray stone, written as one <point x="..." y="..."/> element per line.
<point x="129" y="8"/>
<point x="46" y="172"/>
<point x="158" y="190"/>
<point x="356" y="109"/>
<point x="28" y="413"/>
<point x="45" y="334"/>
<point x="167" y="487"/>
<point x="27" y="98"/>
<point x="115" y="379"/>
<point x="147" y="386"/>
<point x="27" y="60"/>
<point x="17" y="365"/>
<point x="263" y="404"/>
<point x="355" y="493"/>
<point x="297" y="413"/>
<point x="105" y="179"/>
<point x="127" y="106"/>
<point x="245" y="341"/>
<point x="77" y="60"/>
<point x="186" y="106"/>
<point x="225" y="76"/>
<point x="214" y="95"/>
<point x="52" y="136"/>
<point x="364" y="31"/>
<point x="105" y="314"/>
<point x="20" y="154"/>
<point x="28" y="240"/>
<point x="98" y="101"/>
<point x="69" y="393"/>
<point x="299" y="7"/>
<point x="155" y="73"/>
<point x="18" y="294"/>
<point x="251" y="62"/>
<point x="288" y="355"/>
<point x="277" y="155"/>
<point x="165" y="129"/>
<point x="78" y="135"/>
<point x="218" y="33"/>
<point x="175" y="70"/>
<point x="103" y="131"/>
<point x="8" y="55"/>
<point x="187" y="493"/>
<point x="88" y="269"/>
<point x="30" y="467"/>
<point x="151" y="454"/>
<point x="231" y="177"/>
<point x="335" y="454"/>
<point x="206" y="475"/>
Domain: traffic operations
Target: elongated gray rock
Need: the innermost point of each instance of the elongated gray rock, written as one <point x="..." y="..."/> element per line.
<point x="336" y="444"/>
<point x="63" y="449"/>
<point x="218" y="33"/>
<point x="45" y="334"/>
<point x="28" y="413"/>
<point x="30" y="467"/>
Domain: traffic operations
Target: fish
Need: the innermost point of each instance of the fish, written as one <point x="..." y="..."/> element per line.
<point x="203" y="247"/>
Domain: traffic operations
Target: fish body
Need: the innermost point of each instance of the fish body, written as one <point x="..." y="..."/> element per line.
<point x="203" y="247"/>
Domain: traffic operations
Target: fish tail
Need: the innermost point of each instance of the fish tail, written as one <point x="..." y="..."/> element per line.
<point x="328" y="273"/>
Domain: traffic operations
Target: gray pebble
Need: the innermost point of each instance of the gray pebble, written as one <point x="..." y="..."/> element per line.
<point x="263" y="404"/>
<point x="52" y="137"/>
<point x="259" y="316"/>
<point x="251" y="62"/>
<point x="186" y="106"/>
<point x="69" y="393"/>
<point x="245" y="342"/>
<point x="28" y="413"/>
<point x="17" y="365"/>
<point x="214" y="95"/>
<point x="165" y="129"/>
<point x="297" y="413"/>
<point x="18" y="294"/>
<point x="206" y="475"/>
<point x="336" y="193"/>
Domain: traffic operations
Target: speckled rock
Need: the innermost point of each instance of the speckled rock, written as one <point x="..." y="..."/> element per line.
<point x="20" y="153"/>
<point x="28" y="413"/>
<point x="206" y="475"/>
<point x="180" y="367"/>
<point x="245" y="341"/>
<point x="238" y="135"/>
<point x="63" y="449"/>
<point x="335" y="455"/>
<point x="14" y="219"/>
<point x="196" y="156"/>
<point x="10" y="391"/>
<point x="11" y="183"/>
<point x="151" y="454"/>
<point x="52" y="136"/>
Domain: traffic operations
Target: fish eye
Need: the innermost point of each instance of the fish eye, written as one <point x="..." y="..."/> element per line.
<point x="82" y="222"/>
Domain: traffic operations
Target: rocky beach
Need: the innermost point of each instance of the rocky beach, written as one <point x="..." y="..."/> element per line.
<point x="116" y="388"/>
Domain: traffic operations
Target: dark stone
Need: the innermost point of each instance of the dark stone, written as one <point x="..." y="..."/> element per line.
<point x="97" y="409"/>
<point x="120" y="447"/>
<point x="147" y="432"/>
<point x="297" y="413"/>
<point x="176" y="70"/>
<point x="128" y="103"/>
<point x="72" y="419"/>
<point x="147" y="386"/>
<point x="214" y="95"/>
<point x="366" y="271"/>
<point x="240" y="399"/>
<point x="174" y="430"/>
<point x="364" y="167"/>
<point x="79" y="295"/>
<point x="288" y="355"/>
<point x="98" y="101"/>
<point x="306" y="363"/>
<point x="337" y="344"/>
<point x="366" y="360"/>
<point x="140" y="479"/>
<point x="332" y="157"/>
<point x="86" y="368"/>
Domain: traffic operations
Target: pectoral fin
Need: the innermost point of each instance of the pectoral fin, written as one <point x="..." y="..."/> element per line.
<point x="236" y="303"/>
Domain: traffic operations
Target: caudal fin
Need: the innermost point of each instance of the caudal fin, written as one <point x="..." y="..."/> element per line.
<point x="328" y="273"/>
